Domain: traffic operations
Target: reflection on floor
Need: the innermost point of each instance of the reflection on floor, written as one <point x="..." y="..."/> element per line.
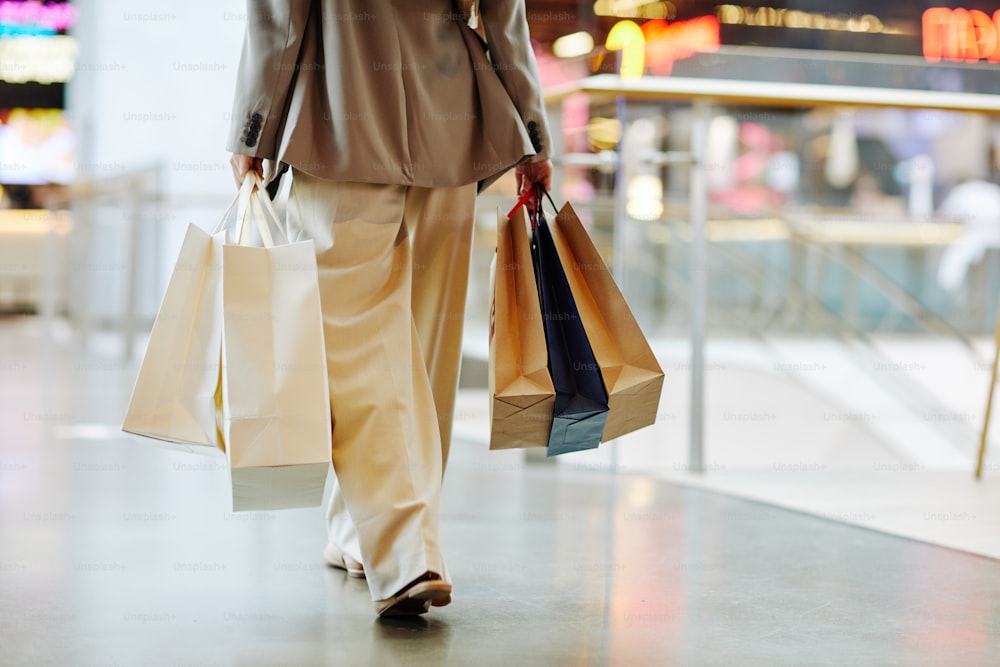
<point x="115" y="552"/>
<point x="824" y="427"/>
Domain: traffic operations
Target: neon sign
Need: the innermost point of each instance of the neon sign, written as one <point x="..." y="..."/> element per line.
<point x="659" y="43"/>
<point x="45" y="17"/>
<point x="769" y="17"/>
<point x="627" y="37"/>
<point x="642" y="9"/>
<point x="45" y="60"/>
<point x="957" y="35"/>
<point x="7" y="30"/>
<point x="669" y="42"/>
<point x="37" y="146"/>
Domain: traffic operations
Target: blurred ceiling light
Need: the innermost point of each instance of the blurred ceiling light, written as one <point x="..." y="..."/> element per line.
<point x="842" y="157"/>
<point x="644" y="200"/>
<point x="573" y="45"/>
<point x="604" y="133"/>
<point x="721" y="151"/>
<point x="637" y="9"/>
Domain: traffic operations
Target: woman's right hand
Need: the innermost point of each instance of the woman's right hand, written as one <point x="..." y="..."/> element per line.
<point x="243" y="164"/>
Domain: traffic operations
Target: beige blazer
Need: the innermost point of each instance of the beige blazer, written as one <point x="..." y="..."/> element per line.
<point x="389" y="91"/>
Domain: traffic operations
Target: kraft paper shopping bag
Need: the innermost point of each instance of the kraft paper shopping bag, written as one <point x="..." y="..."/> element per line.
<point x="521" y="391"/>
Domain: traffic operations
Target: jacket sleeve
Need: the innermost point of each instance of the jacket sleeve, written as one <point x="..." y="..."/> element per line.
<point x="268" y="64"/>
<point x="509" y="44"/>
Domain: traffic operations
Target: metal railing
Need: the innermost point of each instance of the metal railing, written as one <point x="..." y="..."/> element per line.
<point x="703" y="94"/>
<point x="133" y="191"/>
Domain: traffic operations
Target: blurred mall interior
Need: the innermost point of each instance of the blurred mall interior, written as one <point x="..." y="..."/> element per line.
<point x="800" y="200"/>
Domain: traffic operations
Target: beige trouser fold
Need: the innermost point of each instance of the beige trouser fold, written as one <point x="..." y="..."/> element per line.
<point x="393" y="272"/>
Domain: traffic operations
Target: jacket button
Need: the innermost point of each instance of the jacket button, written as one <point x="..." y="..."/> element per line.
<point x="256" y="118"/>
<point x="249" y="141"/>
<point x="532" y="125"/>
<point x="537" y="145"/>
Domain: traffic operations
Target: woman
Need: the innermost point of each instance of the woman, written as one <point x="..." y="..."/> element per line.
<point x="391" y="114"/>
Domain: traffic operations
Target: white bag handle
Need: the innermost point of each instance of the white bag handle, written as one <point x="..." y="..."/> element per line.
<point x="251" y="200"/>
<point x="268" y="209"/>
<point x="257" y="212"/>
<point x="240" y="198"/>
<point x="241" y="233"/>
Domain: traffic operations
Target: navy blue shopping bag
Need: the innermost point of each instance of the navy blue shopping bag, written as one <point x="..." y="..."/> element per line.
<point x="581" y="405"/>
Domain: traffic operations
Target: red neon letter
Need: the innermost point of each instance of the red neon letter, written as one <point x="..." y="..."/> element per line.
<point x="935" y="21"/>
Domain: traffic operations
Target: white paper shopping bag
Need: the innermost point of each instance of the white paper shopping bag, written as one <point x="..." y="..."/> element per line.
<point x="173" y="395"/>
<point x="275" y="398"/>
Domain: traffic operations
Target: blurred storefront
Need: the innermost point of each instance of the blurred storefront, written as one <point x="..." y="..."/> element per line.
<point x="37" y="158"/>
<point x="852" y="234"/>
<point x="875" y="167"/>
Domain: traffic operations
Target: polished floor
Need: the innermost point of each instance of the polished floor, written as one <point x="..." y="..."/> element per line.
<point x="896" y="453"/>
<point x="117" y="552"/>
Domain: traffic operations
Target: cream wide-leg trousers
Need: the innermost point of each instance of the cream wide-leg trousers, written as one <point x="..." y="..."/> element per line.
<point x="393" y="274"/>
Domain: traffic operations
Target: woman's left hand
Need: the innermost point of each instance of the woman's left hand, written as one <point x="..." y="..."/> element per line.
<point x="528" y="174"/>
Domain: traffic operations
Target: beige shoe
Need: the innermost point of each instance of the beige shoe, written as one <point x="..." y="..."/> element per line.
<point x="417" y="597"/>
<point x="334" y="557"/>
